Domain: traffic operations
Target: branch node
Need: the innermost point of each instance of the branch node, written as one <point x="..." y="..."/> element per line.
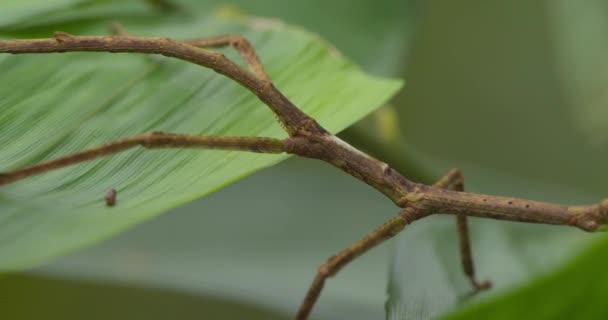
<point x="411" y="198"/>
<point x="62" y="37"/>
<point x="324" y="269"/>
<point x="412" y="213"/>
<point x="265" y="87"/>
<point x="603" y="216"/>
<point x="590" y="218"/>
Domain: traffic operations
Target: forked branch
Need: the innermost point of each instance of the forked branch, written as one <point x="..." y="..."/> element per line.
<point x="306" y="138"/>
<point x="289" y="116"/>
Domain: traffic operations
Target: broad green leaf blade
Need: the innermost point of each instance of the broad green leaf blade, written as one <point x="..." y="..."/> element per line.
<point x="263" y="249"/>
<point x="56" y="104"/>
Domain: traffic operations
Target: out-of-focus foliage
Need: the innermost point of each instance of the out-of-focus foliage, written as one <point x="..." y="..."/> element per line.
<point x="72" y="299"/>
<point x="578" y="32"/>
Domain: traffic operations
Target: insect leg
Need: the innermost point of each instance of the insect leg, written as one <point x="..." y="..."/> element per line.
<point x="455" y="180"/>
<point x="153" y="140"/>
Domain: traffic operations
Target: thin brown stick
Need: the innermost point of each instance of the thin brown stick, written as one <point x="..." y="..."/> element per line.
<point x="239" y="43"/>
<point x="333" y="265"/>
<point x="455" y="180"/>
<point x="292" y="119"/>
<point x="585" y="217"/>
<point x="466" y="255"/>
<point x="154" y="140"/>
<point x="386" y="231"/>
<point x="307" y="139"/>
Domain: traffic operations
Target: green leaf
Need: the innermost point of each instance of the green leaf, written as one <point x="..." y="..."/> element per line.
<point x="56" y="104"/>
<point x="577" y="291"/>
<point x="220" y="247"/>
<point x="258" y="241"/>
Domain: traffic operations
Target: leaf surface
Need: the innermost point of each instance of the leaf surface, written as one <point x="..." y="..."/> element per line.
<point x="56" y="104"/>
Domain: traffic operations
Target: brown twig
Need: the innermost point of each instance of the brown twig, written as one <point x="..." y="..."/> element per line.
<point x="307" y="139"/>
<point x="455" y="180"/>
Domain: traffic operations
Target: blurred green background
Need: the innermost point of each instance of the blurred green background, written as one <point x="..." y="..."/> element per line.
<point x="510" y="92"/>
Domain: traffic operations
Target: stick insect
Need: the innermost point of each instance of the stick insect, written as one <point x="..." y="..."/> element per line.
<point x="306" y="138"/>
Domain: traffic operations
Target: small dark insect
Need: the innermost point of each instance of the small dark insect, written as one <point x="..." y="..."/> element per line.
<point x="111" y="198"/>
